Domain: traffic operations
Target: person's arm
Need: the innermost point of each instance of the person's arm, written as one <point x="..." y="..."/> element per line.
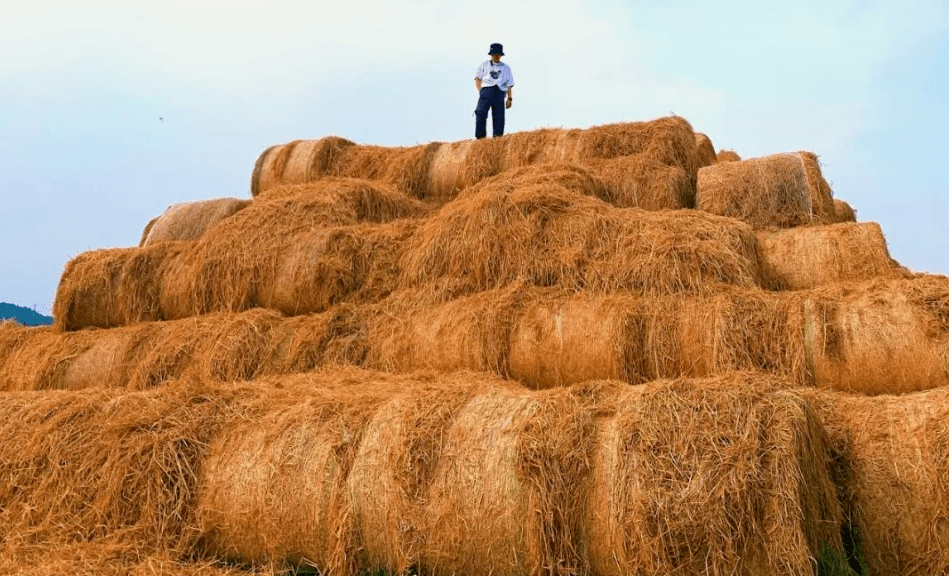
<point x="510" y="97"/>
<point x="478" y="84"/>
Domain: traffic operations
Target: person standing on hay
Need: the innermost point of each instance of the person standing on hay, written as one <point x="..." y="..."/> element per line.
<point x="493" y="80"/>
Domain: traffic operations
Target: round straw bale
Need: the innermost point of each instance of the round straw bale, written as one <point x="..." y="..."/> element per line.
<point x="446" y="178"/>
<point x="735" y="330"/>
<point x="533" y="147"/>
<point x="560" y="341"/>
<point x="638" y="181"/>
<point x="727" y="156"/>
<point x="274" y="485"/>
<point x="892" y="467"/>
<point x="665" y="498"/>
<point x="258" y="168"/>
<point x="297" y="162"/>
<point x="811" y="256"/>
<point x="844" y="212"/>
<point x="706" y="150"/>
<point x="338" y="336"/>
<point x="669" y="140"/>
<point x="564" y="146"/>
<point x="549" y="236"/>
<point x="771" y="191"/>
<point x="879" y="336"/>
<point x="268" y="170"/>
<point x="394" y="467"/>
<point x="484" y="159"/>
<point x="573" y="338"/>
<point x="822" y="197"/>
<point x="314" y="158"/>
<point x="35" y="358"/>
<point x="352" y="200"/>
<point x="408" y="168"/>
<point x="222" y="347"/>
<point x="111" y="287"/>
<point x="113" y="354"/>
<point x="568" y="176"/>
<point x="125" y="465"/>
<point x="412" y="331"/>
<point x="504" y="496"/>
<point x="148" y="228"/>
<point x="329" y="266"/>
<point x="190" y="220"/>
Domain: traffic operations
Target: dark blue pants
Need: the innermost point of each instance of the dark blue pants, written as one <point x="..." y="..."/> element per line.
<point x="491" y="97"/>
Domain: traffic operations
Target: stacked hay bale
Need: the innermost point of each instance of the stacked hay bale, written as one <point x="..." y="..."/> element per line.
<point x="353" y="471"/>
<point x="190" y="220"/>
<point x="564" y="261"/>
<point x="662" y="153"/>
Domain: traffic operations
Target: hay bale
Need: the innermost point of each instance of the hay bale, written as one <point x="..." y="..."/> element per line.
<point x="638" y="181"/>
<point x="892" y="468"/>
<point x="107" y="362"/>
<point x="407" y="168"/>
<point x="706" y="151"/>
<point x="879" y="336"/>
<point x="822" y="197"/>
<point x="393" y="470"/>
<point x="414" y="330"/>
<point x="570" y="177"/>
<point x="669" y="140"/>
<point x="811" y="256"/>
<point x="112" y="287"/>
<point x="213" y="347"/>
<point x="148" y="228"/>
<point x="771" y="191"/>
<point x="305" y="161"/>
<point x="337" y="337"/>
<point x="223" y="347"/>
<point x="311" y="159"/>
<point x="297" y="253"/>
<point x="439" y="171"/>
<point x="38" y="357"/>
<point x="125" y="466"/>
<point x="447" y="171"/>
<point x="549" y="236"/>
<point x="843" y="212"/>
<point x="320" y="269"/>
<point x="350" y="471"/>
<point x="190" y="220"/>
<point x="342" y="201"/>
<point x="505" y="497"/>
<point x="562" y="339"/>
<point x="274" y="484"/>
<point x="727" y="156"/>
<point x="279" y="247"/>
<point x="664" y="499"/>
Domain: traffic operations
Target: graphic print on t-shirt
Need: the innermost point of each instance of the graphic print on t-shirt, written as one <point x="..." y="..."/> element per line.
<point x="495" y="74"/>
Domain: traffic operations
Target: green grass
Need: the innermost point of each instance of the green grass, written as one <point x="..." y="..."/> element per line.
<point x="849" y="562"/>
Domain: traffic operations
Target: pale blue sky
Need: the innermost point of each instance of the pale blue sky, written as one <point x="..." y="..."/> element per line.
<point x="85" y="162"/>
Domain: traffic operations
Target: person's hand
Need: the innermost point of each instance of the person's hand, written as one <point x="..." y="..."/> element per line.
<point x="509" y="102"/>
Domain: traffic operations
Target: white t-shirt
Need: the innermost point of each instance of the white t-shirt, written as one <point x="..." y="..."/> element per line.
<point x="492" y="74"/>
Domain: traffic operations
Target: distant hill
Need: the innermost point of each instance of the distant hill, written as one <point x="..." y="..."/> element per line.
<point x="24" y="316"/>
